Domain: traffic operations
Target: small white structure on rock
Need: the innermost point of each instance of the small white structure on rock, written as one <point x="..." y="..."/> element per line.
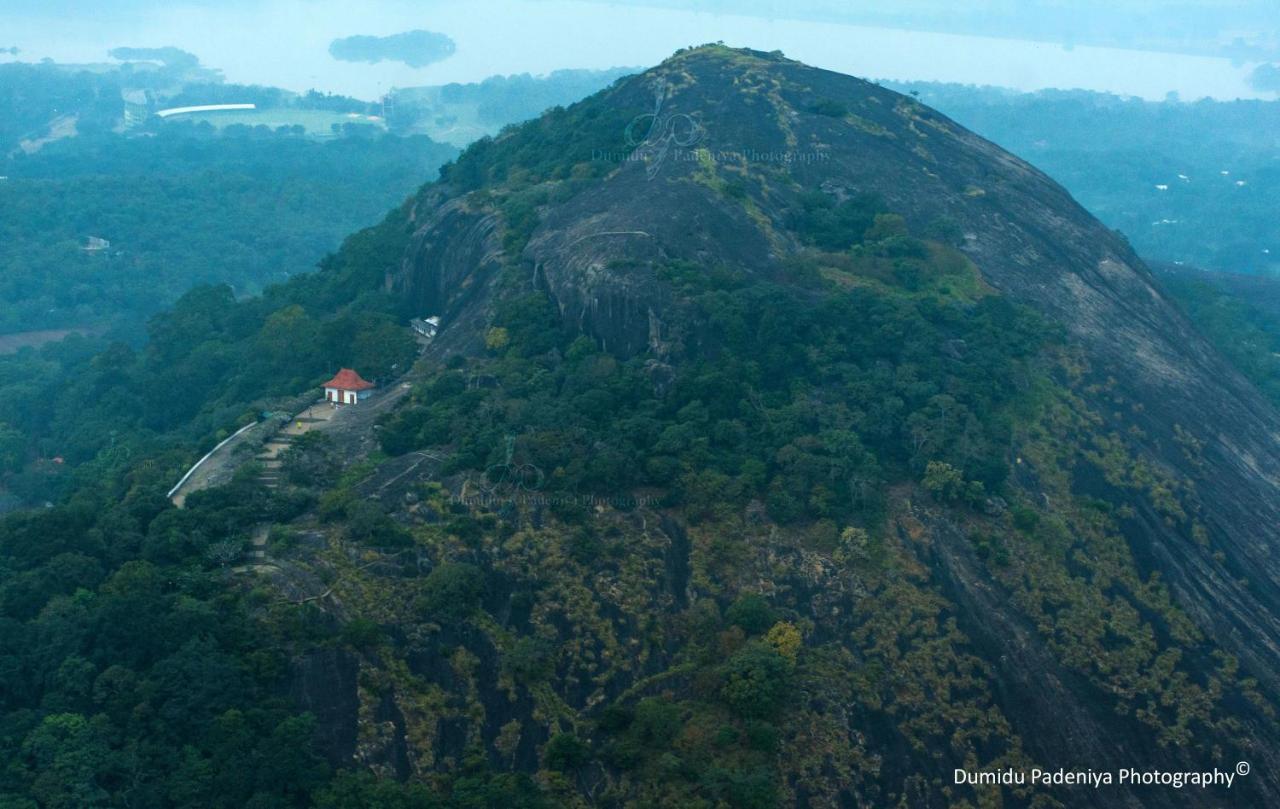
<point x="427" y="328"/>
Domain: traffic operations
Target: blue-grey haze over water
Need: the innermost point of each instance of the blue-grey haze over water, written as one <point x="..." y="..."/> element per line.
<point x="285" y="43"/>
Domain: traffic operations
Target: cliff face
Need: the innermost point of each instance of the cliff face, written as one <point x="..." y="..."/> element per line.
<point x="704" y="161"/>
<point x="454" y="254"/>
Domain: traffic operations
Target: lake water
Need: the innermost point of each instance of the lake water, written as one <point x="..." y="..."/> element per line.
<point x="285" y="43"/>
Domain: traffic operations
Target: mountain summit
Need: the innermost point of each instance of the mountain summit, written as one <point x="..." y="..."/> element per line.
<point x="784" y="443"/>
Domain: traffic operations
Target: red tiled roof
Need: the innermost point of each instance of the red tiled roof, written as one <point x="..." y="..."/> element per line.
<point x="348" y="379"/>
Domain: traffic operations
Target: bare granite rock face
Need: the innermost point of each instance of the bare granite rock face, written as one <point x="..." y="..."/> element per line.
<point x="454" y="254"/>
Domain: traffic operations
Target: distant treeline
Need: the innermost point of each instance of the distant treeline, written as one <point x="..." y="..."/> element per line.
<point x="506" y="99"/>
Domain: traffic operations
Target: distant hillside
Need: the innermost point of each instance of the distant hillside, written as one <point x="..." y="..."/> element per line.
<point x="1186" y="182"/>
<point x="462" y="113"/>
<point x="164" y="205"/>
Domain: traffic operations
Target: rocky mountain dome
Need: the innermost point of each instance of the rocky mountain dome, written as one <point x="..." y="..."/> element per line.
<point x="1064" y="556"/>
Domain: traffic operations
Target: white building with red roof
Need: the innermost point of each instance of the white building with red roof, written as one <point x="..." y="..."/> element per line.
<point x="347" y="387"/>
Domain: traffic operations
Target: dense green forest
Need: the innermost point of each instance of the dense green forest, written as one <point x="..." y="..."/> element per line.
<point x="182" y="208"/>
<point x="1194" y="182"/>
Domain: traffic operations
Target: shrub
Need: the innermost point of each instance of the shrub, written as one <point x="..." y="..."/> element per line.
<point x="1025" y="519"/>
<point x="756" y="680"/>
<point x="452" y="591"/>
<point x="751" y="612"/>
<point x="530" y="660"/>
<point x="785" y="639"/>
<point x="566" y="752"/>
<point x="361" y="633"/>
<point x="945" y="482"/>
<point x="830" y="108"/>
<point x="656" y="722"/>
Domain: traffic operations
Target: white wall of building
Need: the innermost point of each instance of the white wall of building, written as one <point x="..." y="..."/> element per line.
<point x="346" y="396"/>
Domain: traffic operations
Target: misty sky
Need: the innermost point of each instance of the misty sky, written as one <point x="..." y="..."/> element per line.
<point x="1141" y="48"/>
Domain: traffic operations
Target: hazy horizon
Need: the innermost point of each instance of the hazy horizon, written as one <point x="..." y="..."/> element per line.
<point x="286" y="43"/>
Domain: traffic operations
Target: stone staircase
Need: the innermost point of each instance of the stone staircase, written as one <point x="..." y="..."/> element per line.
<point x="258" y="551"/>
<point x="269" y="457"/>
